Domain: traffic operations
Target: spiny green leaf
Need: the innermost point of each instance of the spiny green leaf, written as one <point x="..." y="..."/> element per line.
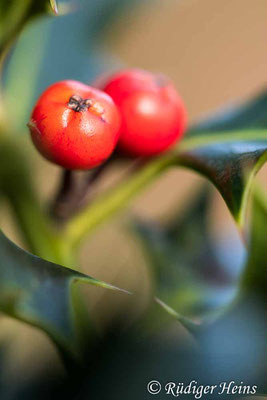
<point x="230" y="165"/>
<point x="190" y="325"/>
<point x="40" y="293"/>
<point x="229" y="147"/>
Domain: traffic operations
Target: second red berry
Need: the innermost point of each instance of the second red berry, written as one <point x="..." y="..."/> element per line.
<point x="153" y="113"/>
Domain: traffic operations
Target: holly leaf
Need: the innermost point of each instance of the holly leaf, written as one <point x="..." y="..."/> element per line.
<point x="188" y="277"/>
<point x="40" y="293"/>
<point x="231" y="166"/>
<point x="229" y="148"/>
<point x="14" y="14"/>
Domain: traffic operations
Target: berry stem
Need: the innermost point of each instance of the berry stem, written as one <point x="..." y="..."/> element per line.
<point x="90" y="181"/>
<point x="65" y="197"/>
<point x="71" y="196"/>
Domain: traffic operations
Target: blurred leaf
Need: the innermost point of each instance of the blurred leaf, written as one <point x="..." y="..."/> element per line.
<point x="163" y="357"/>
<point x="40" y="293"/>
<point x="241" y="329"/>
<point x="22" y="75"/>
<point x="255" y="273"/>
<point x="14" y="14"/>
<point x="250" y="115"/>
<point x="186" y="271"/>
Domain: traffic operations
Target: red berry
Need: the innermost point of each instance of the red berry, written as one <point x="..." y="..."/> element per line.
<point x="153" y="114"/>
<point x="74" y="125"/>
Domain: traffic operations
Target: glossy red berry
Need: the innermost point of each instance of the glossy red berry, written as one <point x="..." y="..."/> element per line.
<point x="75" y="125"/>
<point x="153" y="113"/>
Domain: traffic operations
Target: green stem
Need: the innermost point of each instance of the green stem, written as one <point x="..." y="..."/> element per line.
<point x="113" y="201"/>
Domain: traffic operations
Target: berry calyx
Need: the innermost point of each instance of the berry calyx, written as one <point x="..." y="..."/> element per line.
<point x="78" y="104"/>
<point x="153" y="114"/>
<point x="74" y="125"/>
